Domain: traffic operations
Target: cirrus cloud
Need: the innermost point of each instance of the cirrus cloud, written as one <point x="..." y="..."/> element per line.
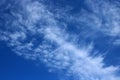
<point x="39" y="35"/>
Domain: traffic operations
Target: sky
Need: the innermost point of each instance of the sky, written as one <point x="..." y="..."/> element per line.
<point x="59" y="40"/>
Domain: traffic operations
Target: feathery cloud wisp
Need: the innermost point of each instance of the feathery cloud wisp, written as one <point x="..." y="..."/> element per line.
<point x="40" y="36"/>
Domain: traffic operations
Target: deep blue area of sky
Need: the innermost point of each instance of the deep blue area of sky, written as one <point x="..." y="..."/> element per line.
<point x="13" y="67"/>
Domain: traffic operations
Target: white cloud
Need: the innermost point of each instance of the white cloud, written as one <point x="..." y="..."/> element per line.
<point x="116" y="42"/>
<point x="106" y="15"/>
<point x="99" y="17"/>
<point x="41" y="37"/>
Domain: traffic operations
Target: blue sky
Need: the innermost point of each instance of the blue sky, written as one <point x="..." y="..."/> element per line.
<point x="59" y="40"/>
<point x="13" y="67"/>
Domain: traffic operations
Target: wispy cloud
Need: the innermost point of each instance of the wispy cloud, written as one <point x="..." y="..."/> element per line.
<point x="117" y="42"/>
<point x="105" y="17"/>
<point x="40" y="36"/>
